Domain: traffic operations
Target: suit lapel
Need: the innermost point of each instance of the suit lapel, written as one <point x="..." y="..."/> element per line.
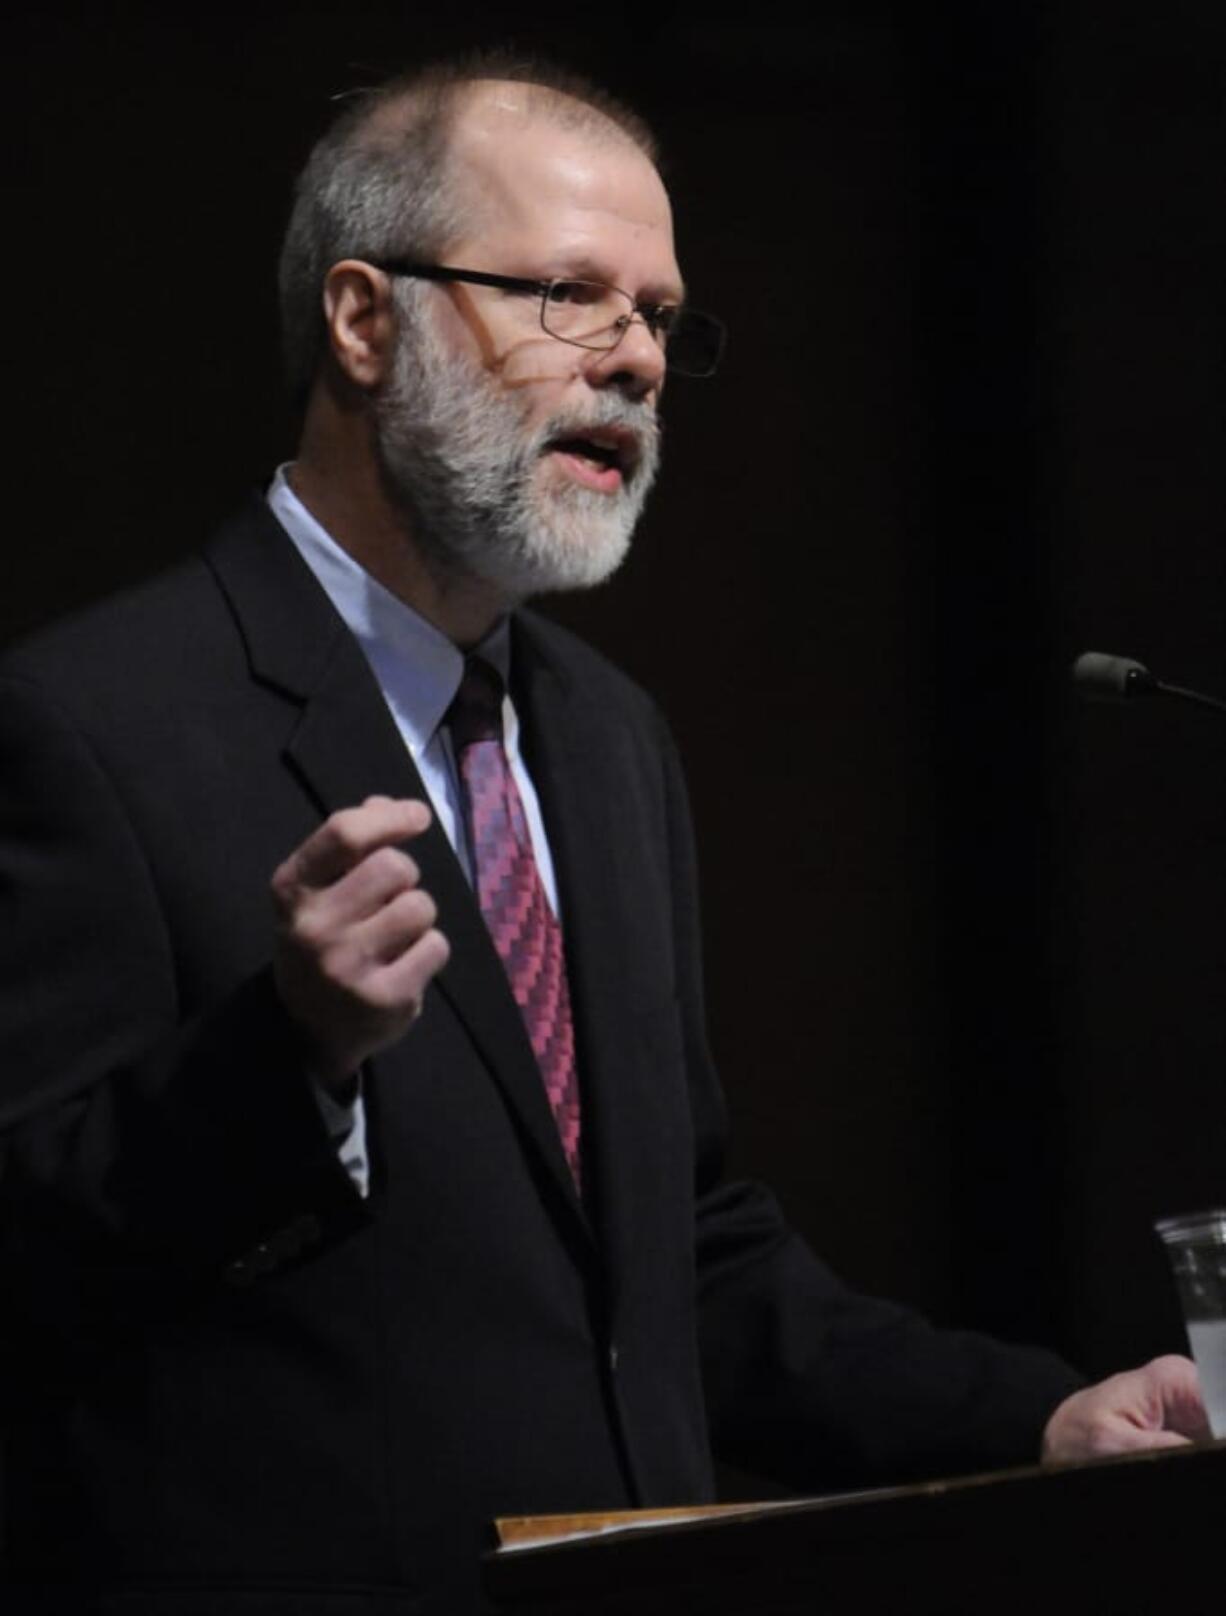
<point x="344" y="746"/>
<point x="585" y="789"/>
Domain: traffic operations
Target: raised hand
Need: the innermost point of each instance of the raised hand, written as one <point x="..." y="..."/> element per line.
<point x="356" y="941"/>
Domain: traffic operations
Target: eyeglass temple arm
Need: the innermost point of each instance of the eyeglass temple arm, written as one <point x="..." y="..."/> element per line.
<point x="476" y="277"/>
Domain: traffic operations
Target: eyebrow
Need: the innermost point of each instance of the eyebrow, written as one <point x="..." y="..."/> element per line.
<point x="582" y="267"/>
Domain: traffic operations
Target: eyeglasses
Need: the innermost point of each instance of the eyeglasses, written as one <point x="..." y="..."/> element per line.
<point x="589" y="314"/>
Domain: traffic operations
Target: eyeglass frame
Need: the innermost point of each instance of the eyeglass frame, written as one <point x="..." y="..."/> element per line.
<point x="649" y="313"/>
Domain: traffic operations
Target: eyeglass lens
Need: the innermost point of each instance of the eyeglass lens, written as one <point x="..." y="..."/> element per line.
<point x="594" y="315"/>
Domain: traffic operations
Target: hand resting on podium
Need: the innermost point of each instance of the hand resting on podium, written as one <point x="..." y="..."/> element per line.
<point x="1156" y="1406"/>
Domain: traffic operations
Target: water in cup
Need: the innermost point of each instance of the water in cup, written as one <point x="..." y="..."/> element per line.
<point x="1196" y="1246"/>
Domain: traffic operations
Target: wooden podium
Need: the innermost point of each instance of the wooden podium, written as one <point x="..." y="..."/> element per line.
<point x="1144" y="1534"/>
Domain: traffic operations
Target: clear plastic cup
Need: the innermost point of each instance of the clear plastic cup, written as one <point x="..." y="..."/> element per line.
<point x="1196" y="1246"/>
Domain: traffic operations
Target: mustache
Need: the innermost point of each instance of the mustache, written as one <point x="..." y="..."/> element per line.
<point x="639" y="422"/>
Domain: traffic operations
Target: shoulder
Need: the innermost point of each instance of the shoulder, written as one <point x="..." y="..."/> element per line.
<point x="146" y="644"/>
<point x="582" y="667"/>
<point x="141" y="660"/>
<point x="146" y="619"/>
<point x="578" y="705"/>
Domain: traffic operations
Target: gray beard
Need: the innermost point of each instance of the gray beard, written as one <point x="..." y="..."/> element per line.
<point x="457" y="460"/>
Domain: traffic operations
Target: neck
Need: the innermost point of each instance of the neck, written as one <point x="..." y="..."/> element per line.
<point x="336" y="477"/>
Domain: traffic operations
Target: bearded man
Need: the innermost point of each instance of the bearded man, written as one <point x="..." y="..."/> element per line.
<point x="363" y="1173"/>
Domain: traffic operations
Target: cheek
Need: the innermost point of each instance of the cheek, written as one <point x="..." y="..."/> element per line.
<point x="543" y="364"/>
<point x="539" y="402"/>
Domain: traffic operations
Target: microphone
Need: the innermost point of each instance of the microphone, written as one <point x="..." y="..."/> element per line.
<point x="1101" y="677"/>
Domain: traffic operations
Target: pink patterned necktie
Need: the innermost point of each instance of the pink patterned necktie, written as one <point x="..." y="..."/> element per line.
<point x="512" y="897"/>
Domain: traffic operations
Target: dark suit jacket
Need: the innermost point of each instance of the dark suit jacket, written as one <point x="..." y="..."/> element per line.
<point x="226" y="1372"/>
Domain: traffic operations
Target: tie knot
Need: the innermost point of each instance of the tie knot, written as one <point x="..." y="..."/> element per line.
<point x="475" y="713"/>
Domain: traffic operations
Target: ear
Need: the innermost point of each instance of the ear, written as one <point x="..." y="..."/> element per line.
<point x="361" y="321"/>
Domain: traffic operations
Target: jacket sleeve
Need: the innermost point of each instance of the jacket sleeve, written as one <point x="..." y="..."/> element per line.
<point x="807" y="1380"/>
<point x="191" y="1138"/>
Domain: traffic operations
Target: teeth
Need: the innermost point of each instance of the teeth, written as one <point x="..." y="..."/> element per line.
<point x="595" y="449"/>
<point x="604" y="448"/>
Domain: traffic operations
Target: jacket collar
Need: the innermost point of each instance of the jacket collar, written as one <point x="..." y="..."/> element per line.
<point x="342" y="743"/>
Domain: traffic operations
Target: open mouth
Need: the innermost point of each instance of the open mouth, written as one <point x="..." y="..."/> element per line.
<point x="601" y="459"/>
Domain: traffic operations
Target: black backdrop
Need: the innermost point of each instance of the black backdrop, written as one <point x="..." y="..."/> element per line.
<point x="967" y="964"/>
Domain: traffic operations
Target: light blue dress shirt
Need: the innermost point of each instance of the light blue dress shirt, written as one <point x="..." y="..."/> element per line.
<point x="418" y="670"/>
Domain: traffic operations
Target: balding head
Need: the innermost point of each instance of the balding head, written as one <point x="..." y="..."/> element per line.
<point x="385" y="181"/>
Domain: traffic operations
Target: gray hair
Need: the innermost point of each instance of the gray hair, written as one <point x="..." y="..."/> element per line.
<point x="377" y="184"/>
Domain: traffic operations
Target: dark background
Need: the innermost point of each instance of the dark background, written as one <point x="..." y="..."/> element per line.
<point x="967" y="960"/>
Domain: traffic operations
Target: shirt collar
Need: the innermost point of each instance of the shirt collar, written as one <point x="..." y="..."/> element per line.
<point x="418" y="668"/>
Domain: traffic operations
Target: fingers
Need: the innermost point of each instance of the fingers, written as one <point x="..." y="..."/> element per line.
<point x="1157" y="1406"/>
<point x="347" y="943"/>
<point x="1177" y="1391"/>
<point x="357" y="945"/>
<point x="362" y="893"/>
<point x="1129" y="1439"/>
<point x="345" y="839"/>
<point x="397" y="925"/>
<point x="404" y="979"/>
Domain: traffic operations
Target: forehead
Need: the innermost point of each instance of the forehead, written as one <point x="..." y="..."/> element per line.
<point x="538" y="184"/>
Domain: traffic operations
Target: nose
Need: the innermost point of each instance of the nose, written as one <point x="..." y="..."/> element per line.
<point x="636" y="365"/>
